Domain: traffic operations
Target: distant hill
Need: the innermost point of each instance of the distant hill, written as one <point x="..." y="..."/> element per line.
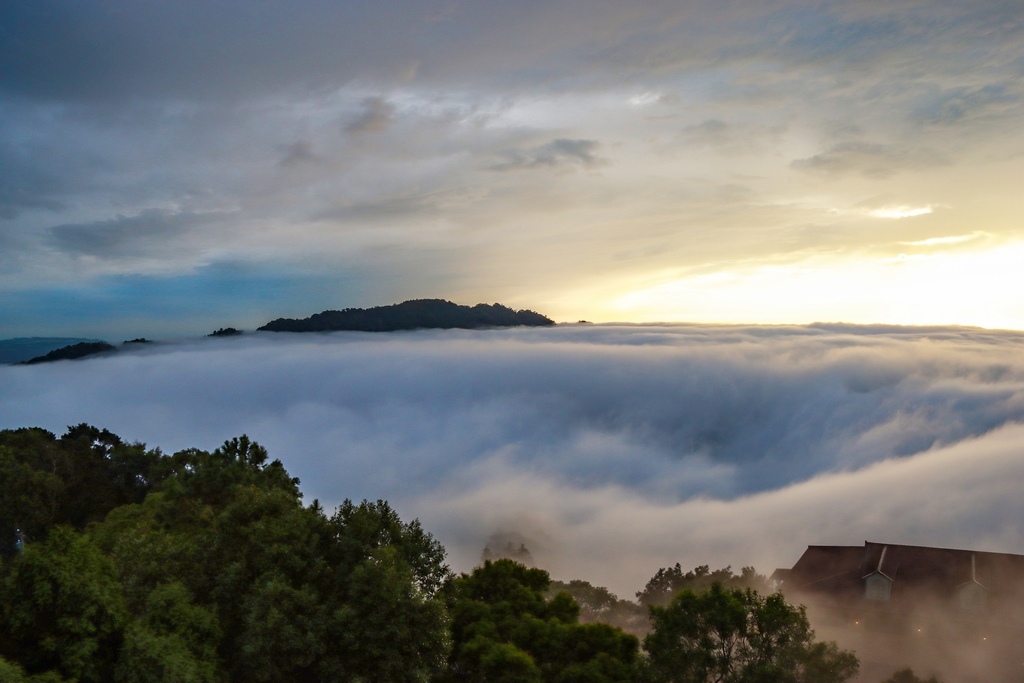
<point x="225" y="332"/>
<point x="25" y="348"/>
<point x="72" y="352"/>
<point x="411" y="315"/>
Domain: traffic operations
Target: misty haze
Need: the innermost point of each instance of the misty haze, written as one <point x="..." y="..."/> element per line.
<point x="603" y="451"/>
<point x="612" y="448"/>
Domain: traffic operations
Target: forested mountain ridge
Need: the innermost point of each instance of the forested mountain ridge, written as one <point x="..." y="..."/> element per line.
<point x="72" y="352"/>
<point x="411" y="315"/>
<point x="408" y="315"/>
<point x="21" y="349"/>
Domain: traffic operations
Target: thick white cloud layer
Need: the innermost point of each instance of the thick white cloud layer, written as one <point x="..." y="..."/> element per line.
<point x="614" y="449"/>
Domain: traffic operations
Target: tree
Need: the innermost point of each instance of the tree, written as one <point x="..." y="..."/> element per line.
<point x="74" y="480"/>
<point x="12" y="673"/>
<point x="173" y="639"/>
<point x="504" y="628"/>
<point x="907" y="675"/>
<point x="732" y="635"/>
<point x="359" y="530"/>
<point x="297" y="595"/>
<point x="598" y="605"/>
<point x="668" y="581"/>
<point x="63" y="609"/>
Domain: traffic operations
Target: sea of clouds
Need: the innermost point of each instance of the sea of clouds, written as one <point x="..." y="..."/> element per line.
<point x="612" y="450"/>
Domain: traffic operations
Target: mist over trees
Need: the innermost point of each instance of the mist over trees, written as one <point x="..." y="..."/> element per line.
<point x="733" y="635"/>
<point x="120" y="563"/>
<point x="668" y="581"/>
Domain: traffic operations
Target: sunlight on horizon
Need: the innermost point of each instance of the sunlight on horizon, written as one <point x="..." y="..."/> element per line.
<point x="976" y="288"/>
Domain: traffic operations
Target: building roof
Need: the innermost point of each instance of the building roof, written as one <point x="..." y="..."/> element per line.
<point x="837" y="573"/>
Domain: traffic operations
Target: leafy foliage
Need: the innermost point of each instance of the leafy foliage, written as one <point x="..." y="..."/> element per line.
<point x="505" y="628"/>
<point x="732" y="635"/>
<point x="670" y="580"/>
<point x="63" y="609"/>
<point x="205" y="567"/>
<point x="598" y="605"/>
<point x="12" y="673"/>
<point x="74" y="480"/>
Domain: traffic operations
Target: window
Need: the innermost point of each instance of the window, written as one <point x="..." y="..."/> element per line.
<point x="973" y="598"/>
<point x="877" y="587"/>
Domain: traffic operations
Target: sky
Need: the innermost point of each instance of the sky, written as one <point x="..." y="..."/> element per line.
<point x="611" y="450"/>
<point x="167" y="168"/>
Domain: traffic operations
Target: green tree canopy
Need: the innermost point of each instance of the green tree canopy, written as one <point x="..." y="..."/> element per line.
<point x="668" y="581"/>
<point x="732" y="635"/>
<point x="598" y="605"/>
<point x="73" y="480"/>
<point x="504" y="628"/>
<point x="204" y="567"/>
<point x="63" y="609"/>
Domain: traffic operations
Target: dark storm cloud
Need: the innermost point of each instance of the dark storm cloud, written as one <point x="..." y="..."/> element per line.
<point x="647" y="444"/>
<point x="138" y="234"/>
<point x="559" y="152"/>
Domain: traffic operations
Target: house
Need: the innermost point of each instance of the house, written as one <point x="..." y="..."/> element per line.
<point x="903" y="579"/>
<point x="945" y="608"/>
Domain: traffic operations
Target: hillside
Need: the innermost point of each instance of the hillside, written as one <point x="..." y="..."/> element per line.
<point x="411" y="315"/>
<point x="72" y="352"/>
<point x="25" y="348"/>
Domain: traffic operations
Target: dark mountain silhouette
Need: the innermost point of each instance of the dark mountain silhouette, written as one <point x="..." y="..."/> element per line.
<point x="79" y="350"/>
<point x="24" y="348"/>
<point x="225" y="332"/>
<point x="411" y="315"/>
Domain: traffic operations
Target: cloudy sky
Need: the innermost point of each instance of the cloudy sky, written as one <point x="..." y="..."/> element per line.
<point x="166" y="167"/>
<point x="612" y="450"/>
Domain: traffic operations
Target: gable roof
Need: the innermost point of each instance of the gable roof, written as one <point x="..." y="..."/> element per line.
<point x="837" y="573"/>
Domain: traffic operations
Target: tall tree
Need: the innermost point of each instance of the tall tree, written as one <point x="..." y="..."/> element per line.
<point x="63" y="609"/>
<point x="505" y="628"/>
<point x="668" y="581"/>
<point x="730" y="635"/>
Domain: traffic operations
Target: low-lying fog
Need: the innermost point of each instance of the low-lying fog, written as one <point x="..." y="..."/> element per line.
<point x="615" y="450"/>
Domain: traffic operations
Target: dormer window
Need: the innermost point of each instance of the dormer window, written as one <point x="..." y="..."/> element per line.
<point x="877" y="587"/>
<point x="972" y="597"/>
